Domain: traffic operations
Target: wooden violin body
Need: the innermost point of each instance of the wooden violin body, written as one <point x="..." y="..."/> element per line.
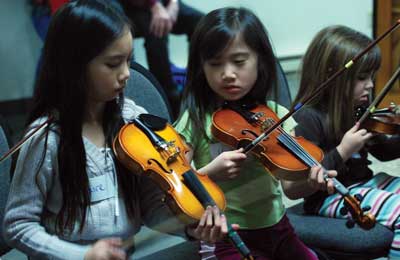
<point x="233" y="129"/>
<point x="166" y="164"/>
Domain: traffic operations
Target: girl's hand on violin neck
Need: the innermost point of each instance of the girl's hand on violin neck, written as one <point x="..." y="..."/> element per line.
<point x="225" y="166"/>
<point x="353" y="140"/>
<point x="212" y="226"/>
<point x="106" y="249"/>
<point x="316" y="179"/>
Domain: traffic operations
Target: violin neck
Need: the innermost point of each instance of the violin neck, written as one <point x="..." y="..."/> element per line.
<point x="337" y="184"/>
<point x="196" y="187"/>
<point x="296" y="149"/>
<point x="190" y="179"/>
<point x="238" y="243"/>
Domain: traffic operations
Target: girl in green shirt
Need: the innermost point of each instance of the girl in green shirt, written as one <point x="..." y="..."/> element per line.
<point x="231" y="59"/>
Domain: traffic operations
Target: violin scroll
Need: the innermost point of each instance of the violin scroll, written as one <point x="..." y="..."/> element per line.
<point x="352" y="205"/>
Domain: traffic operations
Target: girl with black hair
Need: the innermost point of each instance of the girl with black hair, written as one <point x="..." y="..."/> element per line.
<point x="70" y="198"/>
<point x="231" y="59"/>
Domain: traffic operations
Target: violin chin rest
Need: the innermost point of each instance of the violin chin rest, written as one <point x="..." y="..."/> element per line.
<point x="153" y="122"/>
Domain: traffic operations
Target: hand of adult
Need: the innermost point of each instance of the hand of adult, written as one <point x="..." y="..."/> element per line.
<point x="173" y="10"/>
<point x="161" y="22"/>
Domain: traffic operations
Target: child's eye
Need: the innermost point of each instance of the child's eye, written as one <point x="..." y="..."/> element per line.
<point x="362" y="76"/>
<point x="214" y="63"/>
<point x="241" y="61"/>
<point x="366" y="75"/>
<point x="112" y="65"/>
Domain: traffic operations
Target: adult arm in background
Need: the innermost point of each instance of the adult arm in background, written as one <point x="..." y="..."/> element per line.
<point x="161" y="20"/>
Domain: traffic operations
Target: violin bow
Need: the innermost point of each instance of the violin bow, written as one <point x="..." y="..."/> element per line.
<point x="298" y="106"/>
<point x="371" y="108"/>
<point x="31" y="134"/>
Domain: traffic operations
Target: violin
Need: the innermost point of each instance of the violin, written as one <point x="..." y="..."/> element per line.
<point x="162" y="157"/>
<point x="286" y="157"/>
<point x="381" y="121"/>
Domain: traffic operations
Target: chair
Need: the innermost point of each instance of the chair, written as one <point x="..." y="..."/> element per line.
<point x="4" y="187"/>
<point x="144" y="89"/>
<point x="331" y="236"/>
<point x="182" y="251"/>
<point x="284" y="97"/>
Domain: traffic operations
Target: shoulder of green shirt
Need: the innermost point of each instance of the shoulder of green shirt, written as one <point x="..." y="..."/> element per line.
<point x="281" y="111"/>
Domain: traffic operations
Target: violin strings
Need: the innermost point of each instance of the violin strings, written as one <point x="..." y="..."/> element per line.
<point x="301" y="152"/>
<point x="294" y="146"/>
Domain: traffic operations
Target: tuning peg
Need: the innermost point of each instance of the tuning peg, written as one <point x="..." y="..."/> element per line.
<point x="350" y="223"/>
<point x="343" y="211"/>
<point x="358" y="196"/>
<point x="366" y="208"/>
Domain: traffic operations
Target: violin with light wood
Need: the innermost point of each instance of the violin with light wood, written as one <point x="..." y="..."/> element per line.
<point x="149" y="146"/>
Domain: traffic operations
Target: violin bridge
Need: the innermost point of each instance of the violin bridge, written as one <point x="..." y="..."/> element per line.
<point x="173" y="151"/>
<point x="265" y="124"/>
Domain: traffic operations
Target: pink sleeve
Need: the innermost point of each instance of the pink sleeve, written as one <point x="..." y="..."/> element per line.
<point x="143" y="3"/>
<point x="55" y="4"/>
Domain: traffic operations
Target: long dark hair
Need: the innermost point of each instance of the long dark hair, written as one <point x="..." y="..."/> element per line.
<point x="328" y="52"/>
<point x="79" y="31"/>
<point x="213" y="34"/>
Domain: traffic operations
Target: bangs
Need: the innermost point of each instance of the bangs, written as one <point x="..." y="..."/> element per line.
<point x="370" y="62"/>
<point x="216" y="41"/>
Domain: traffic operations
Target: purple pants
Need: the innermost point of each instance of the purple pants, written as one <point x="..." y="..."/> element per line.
<point x="271" y="243"/>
